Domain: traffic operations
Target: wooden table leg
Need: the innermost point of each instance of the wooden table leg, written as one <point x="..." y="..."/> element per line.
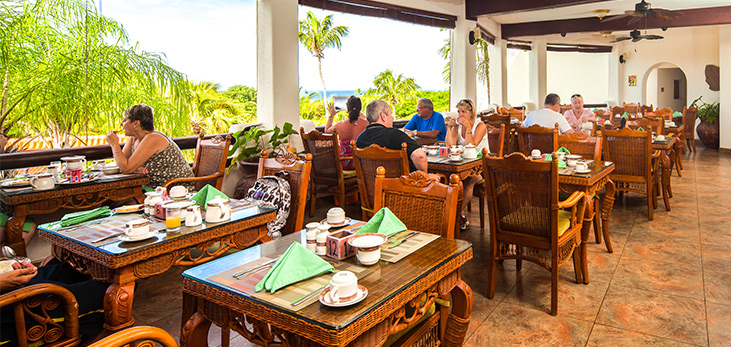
<point x="459" y="318"/>
<point x="193" y="326"/>
<point x="607" y="205"/>
<point x="673" y="153"/>
<point x="14" y="231"/>
<point x="666" y="170"/>
<point x="118" y="306"/>
<point x="585" y="231"/>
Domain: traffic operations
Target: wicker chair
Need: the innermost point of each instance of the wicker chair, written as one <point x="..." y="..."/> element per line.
<point x="656" y="122"/>
<point x="631" y="108"/>
<point x="589" y="147"/>
<point x="367" y="160"/>
<point x="525" y="217"/>
<point x="644" y="109"/>
<point x="537" y="137"/>
<point x="603" y="115"/>
<point x="328" y="176"/>
<point x="496" y="120"/>
<point x="37" y="299"/>
<point x="617" y="110"/>
<point x="419" y="200"/>
<point x="495" y="138"/>
<point x="689" y="115"/>
<point x="209" y="165"/>
<point x="137" y="336"/>
<point x="299" y="177"/>
<point x="635" y="165"/>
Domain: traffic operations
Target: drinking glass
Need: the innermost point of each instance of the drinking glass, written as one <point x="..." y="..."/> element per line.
<point x="172" y="219"/>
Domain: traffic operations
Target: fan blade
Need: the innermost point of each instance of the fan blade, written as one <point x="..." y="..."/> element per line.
<point x="613" y="18"/>
<point x="619" y="39"/>
<point x="635" y="39"/>
<point x="634" y="13"/>
<point x="652" y="37"/>
<point x="634" y="20"/>
<point x="665" y="14"/>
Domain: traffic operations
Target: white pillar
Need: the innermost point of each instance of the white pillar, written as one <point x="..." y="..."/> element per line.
<point x="463" y="72"/>
<point x="724" y="49"/>
<point x="537" y="79"/>
<point x="499" y="72"/>
<point x="278" y="74"/>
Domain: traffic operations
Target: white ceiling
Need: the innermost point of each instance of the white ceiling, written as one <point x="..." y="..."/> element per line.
<point x="617" y="7"/>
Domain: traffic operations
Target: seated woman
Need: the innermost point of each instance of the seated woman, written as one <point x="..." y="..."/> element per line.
<point x="348" y="129"/>
<point x="147" y="151"/>
<point x="462" y="131"/>
<point x="578" y="114"/>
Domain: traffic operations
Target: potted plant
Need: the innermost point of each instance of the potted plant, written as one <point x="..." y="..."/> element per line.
<point x="707" y="129"/>
<point x="248" y="147"/>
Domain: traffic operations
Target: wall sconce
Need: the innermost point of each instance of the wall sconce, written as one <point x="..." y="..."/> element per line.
<point x="475" y="36"/>
<point x="623" y="58"/>
<point x="563" y="34"/>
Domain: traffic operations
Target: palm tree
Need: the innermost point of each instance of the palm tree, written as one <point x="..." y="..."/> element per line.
<point x="317" y="35"/>
<point x="483" y="62"/>
<point x="396" y="90"/>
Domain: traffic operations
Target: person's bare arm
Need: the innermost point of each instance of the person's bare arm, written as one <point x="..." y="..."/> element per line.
<point x="329" y="125"/>
<point x="452" y="136"/>
<point x="150" y="145"/>
<point x="419" y="158"/>
<point x="17" y="278"/>
<point x="430" y="133"/>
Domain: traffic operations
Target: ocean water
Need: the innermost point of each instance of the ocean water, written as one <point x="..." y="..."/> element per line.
<point x="331" y="93"/>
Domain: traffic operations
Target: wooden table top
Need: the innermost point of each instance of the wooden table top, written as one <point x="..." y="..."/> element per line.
<point x="13" y="196"/>
<point x="385" y="282"/>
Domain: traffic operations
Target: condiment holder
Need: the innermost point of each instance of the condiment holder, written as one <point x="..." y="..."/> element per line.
<point x="312" y="236"/>
<point x="322" y="233"/>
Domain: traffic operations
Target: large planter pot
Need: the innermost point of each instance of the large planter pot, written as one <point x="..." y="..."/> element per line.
<point x="708" y="134"/>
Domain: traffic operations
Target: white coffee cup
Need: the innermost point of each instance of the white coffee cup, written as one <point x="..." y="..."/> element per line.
<point x="455" y="156"/>
<point x="343" y="285"/>
<point x="433" y="150"/>
<point x="660" y="138"/>
<point x="535" y="154"/>
<point x="137" y="227"/>
<point x="335" y="215"/>
<point x="98" y="164"/>
<point x="178" y="192"/>
<point x="42" y="181"/>
<point x="581" y="166"/>
<point x="572" y="159"/>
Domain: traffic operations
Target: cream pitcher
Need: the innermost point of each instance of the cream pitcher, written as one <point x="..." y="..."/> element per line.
<point x="193" y="216"/>
<point x="218" y="210"/>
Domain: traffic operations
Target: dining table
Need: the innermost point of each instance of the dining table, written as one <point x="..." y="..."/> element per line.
<point x="464" y="168"/>
<point x="22" y="201"/>
<point x="99" y="248"/>
<point x="422" y="291"/>
<point x="591" y="183"/>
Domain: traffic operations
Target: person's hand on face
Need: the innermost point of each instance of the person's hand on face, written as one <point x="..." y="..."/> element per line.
<point x="452" y="123"/>
<point x="112" y="137"/>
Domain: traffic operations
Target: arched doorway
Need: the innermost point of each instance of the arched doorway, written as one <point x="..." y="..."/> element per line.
<point x="665" y="86"/>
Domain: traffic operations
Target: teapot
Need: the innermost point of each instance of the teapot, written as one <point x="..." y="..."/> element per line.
<point x="217" y="210"/>
<point x="470" y="151"/>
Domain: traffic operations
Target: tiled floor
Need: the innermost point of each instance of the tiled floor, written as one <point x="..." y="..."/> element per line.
<point x="668" y="281"/>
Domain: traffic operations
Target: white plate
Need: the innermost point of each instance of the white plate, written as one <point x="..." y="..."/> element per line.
<point x="582" y="171"/>
<point x="125" y="238"/>
<point x="129" y="209"/>
<point x="359" y="296"/>
<point x="14" y="183"/>
<point x="344" y="222"/>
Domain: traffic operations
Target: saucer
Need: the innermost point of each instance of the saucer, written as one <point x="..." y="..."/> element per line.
<point x="582" y="171"/>
<point x="359" y="296"/>
<point x="345" y="221"/>
<point x="126" y="238"/>
<point x="455" y="159"/>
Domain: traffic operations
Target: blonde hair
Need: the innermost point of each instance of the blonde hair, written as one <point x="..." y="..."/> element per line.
<point x="467" y="105"/>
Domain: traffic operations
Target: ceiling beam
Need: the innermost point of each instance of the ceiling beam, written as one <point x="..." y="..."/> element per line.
<point x="476" y="8"/>
<point x="693" y="17"/>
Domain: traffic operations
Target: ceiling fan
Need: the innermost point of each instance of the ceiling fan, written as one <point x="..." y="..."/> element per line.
<point x="644" y="9"/>
<point x="636" y="35"/>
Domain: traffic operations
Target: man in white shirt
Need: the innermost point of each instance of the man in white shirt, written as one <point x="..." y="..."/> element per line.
<point x="549" y="116"/>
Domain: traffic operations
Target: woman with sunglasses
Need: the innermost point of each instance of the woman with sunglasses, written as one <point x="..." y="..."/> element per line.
<point x="462" y="131"/>
<point x="578" y="114"/>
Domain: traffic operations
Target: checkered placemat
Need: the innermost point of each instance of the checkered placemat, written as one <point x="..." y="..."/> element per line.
<point x="407" y="247"/>
<point x="87" y="233"/>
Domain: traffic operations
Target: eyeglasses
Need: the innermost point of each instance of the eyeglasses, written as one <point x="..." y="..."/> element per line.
<point x="422" y="107"/>
<point x="576" y="96"/>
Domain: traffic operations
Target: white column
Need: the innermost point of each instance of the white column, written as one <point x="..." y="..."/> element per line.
<point x="278" y="75"/>
<point x="463" y="73"/>
<point x="724" y="49"/>
<point x="537" y="72"/>
<point x="499" y="72"/>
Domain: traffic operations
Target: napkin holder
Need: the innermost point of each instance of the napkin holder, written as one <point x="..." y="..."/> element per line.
<point x="338" y="246"/>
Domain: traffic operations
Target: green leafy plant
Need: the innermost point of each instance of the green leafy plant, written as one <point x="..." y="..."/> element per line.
<point x="250" y="143"/>
<point x="708" y="113"/>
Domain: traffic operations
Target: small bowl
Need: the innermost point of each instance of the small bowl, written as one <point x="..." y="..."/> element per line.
<point x="110" y="170"/>
<point x="369" y="247"/>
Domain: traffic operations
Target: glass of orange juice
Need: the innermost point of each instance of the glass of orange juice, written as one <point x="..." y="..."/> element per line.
<point x="172" y="219"/>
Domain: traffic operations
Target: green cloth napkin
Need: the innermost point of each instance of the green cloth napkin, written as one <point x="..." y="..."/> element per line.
<point x="146" y="188"/>
<point x="561" y="163"/>
<point x="3" y="219"/>
<point x="640" y="129"/>
<point x="83" y="216"/>
<point x="383" y="222"/>
<point x="677" y="114"/>
<point x="563" y="150"/>
<point x="625" y="115"/>
<point x="296" y="264"/>
<point x="206" y="194"/>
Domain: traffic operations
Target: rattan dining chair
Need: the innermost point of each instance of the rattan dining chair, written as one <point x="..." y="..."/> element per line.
<point x="496" y="120"/>
<point x="137" y="336"/>
<point x="298" y="178"/>
<point x="527" y="221"/>
<point x="29" y="305"/>
<point x="367" y="160"/>
<point x="631" y="108"/>
<point x="537" y="137"/>
<point x="635" y="164"/>
<point x="209" y="164"/>
<point x="589" y="147"/>
<point x="328" y="176"/>
<point x="617" y="110"/>
<point x="644" y="109"/>
<point x="419" y="201"/>
<point x="495" y="138"/>
<point x="689" y="115"/>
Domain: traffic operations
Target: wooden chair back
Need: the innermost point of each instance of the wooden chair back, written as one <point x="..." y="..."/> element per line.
<point x="518" y="113"/>
<point x="565" y="108"/>
<point x="367" y="160"/>
<point x="496" y="120"/>
<point x="603" y="114"/>
<point x="420" y="201"/>
<point x="299" y="178"/>
<point x="617" y="110"/>
<point x="689" y="115"/>
<point x="209" y="165"/>
<point x="588" y="147"/>
<point x="537" y="137"/>
<point x="631" y="108"/>
<point x="137" y="336"/>
<point x="29" y="306"/>
<point x="630" y="151"/>
<point x="496" y="139"/>
<point x="656" y="122"/>
<point x="666" y="113"/>
<point x="644" y="109"/>
<point x="325" y="150"/>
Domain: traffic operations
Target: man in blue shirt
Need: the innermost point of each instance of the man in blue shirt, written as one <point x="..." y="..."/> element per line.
<point x="426" y="122"/>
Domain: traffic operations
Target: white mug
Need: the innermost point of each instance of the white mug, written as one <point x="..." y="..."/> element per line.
<point x="343" y="285"/>
<point x="535" y="154"/>
<point x="137" y="227"/>
<point x="178" y="192"/>
<point x="335" y="215"/>
<point x="455" y="156"/>
<point x="42" y="181"/>
<point x="581" y="166"/>
<point x="98" y="164"/>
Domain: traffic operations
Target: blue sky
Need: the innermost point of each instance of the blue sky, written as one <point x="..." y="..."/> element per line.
<point x="215" y="40"/>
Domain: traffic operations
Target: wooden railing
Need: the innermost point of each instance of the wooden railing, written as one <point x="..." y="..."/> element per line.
<point x="21" y="160"/>
<point x="396" y="124"/>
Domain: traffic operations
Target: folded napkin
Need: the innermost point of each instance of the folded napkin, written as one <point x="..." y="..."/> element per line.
<point x="83" y="216"/>
<point x="677" y="114"/>
<point x="206" y="194"/>
<point x="146" y="188"/>
<point x="563" y="150"/>
<point x="383" y="222"/>
<point x="561" y="163"/>
<point x="640" y="129"/>
<point x="625" y="115"/>
<point x="296" y="264"/>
